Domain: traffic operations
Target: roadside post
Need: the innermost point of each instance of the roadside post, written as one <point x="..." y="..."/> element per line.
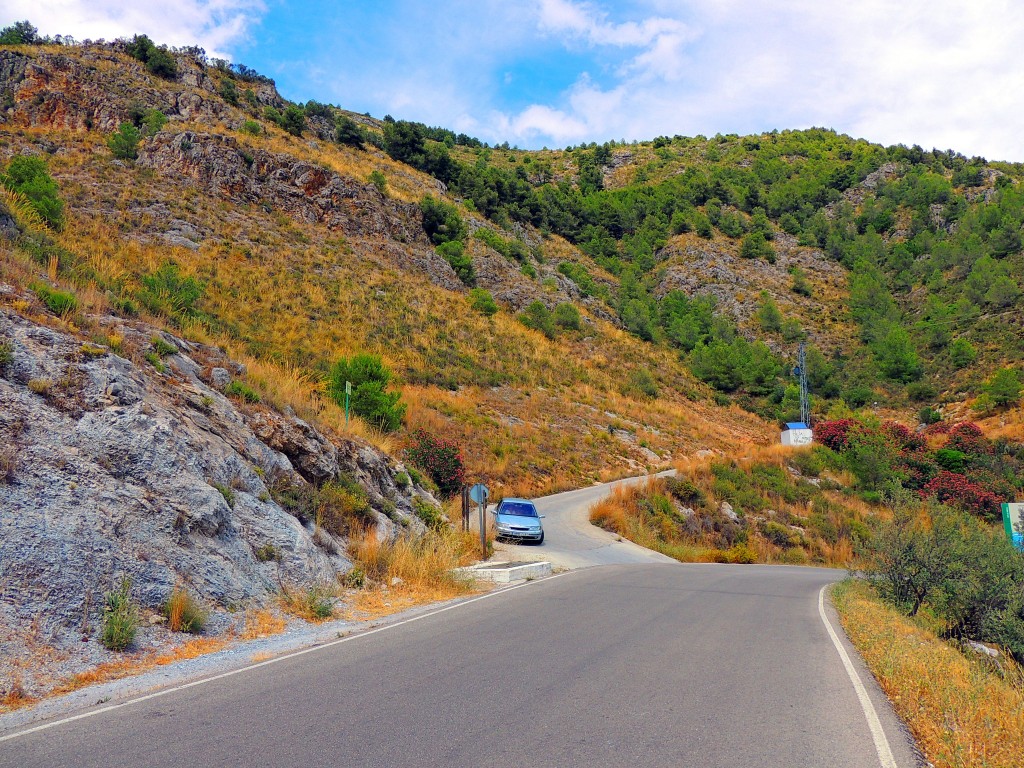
<point x="479" y="494"/>
<point x="348" y="396"/>
<point x="465" y="508"/>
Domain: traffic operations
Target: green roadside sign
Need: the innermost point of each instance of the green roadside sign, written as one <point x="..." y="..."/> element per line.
<point x="1013" y="522"/>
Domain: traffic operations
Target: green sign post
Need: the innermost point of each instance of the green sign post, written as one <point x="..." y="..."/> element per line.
<point x="1013" y="523"/>
<point x="348" y="396"/>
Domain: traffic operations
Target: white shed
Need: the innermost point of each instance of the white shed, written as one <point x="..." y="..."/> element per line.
<point x="797" y="433"/>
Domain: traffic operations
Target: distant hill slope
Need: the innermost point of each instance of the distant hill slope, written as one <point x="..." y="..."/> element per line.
<point x="687" y="271"/>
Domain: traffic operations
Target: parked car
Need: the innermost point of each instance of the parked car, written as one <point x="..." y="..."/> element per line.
<point x="517" y="519"/>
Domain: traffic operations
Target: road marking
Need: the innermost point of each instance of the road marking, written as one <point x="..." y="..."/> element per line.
<point x="885" y="757"/>
<point x="275" y="660"/>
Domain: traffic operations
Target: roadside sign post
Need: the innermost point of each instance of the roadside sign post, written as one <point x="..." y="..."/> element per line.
<point x="465" y="507"/>
<point x="479" y="494"/>
<point x="348" y="396"/>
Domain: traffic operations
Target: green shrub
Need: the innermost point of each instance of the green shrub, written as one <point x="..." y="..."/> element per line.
<point x="967" y="572"/>
<point x="316" y="603"/>
<point x="428" y="513"/>
<point x="481" y="300"/>
<point x="58" y="302"/>
<point x="402" y="480"/>
<point x="921" y="390"/>
<point x="370" y="399"/>
<point x="684" y="490"/>
<point x="755" y="246"/>
<point x="538" y="317"/>
<point x="120" y="618"/>
<point x="342" y="507"/>
<point x="293" y="120"/>
<point x="124" y="144"/>
<point x="184" y="613"/>
<point x="167" y="292"/>
<point x="800" y="283"/>
<point x="162" y="63"/>
<point x="242" y="391"/>
<point x="154" y="359"/>
<point x="6" y="354"/>
<point x="251" y="127"/>
<point x="347" y="131"/>
<point x="441" y="221"/>
<point x="961" y="352"/>
<point x="228" y="91"/>
<point x="566" y="316"/>
<point x="641" y="384"/>
<point x="153" y="120"/>
<point x="455" y="254"/>
<point x="379" y="181"/>
<point x="162" y="347"/>
<point x="30" y="177"/>
<point x="929" y="416"/>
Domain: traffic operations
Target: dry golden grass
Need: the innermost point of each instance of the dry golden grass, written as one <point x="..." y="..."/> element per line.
<point x="262" y="622"/>
<point x="410" y="571"/>
<point x="136" y="664"/>
<point x="961" y="714"/>
<point x="15" y="696"/>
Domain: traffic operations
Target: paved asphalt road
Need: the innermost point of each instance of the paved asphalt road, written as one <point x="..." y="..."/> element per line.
<point x="626" y="665"/>
<point x="649" y="663"/>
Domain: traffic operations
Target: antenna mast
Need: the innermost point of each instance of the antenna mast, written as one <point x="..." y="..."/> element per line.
<point x="805" y="407"/>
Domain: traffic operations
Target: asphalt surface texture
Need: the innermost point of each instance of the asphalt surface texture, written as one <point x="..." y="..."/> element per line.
<point x="640" y="662"/>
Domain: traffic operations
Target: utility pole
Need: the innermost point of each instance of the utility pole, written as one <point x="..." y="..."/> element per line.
<point x="805" y="400"/>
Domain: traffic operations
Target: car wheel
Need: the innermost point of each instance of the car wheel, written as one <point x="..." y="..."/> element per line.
<point x="541" y="539"/>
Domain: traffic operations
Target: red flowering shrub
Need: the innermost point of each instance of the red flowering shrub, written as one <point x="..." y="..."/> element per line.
<point x="938" y="428"/>
<point x="968" y="438"/>
<point x="441" y="459"/>
<point x="834" y="434"/>
<point x="955" y="489"/>
<point x="902" y="437"/>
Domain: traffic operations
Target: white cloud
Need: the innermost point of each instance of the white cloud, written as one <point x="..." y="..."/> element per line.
<point x="212" y="24"/>
<point x="944" y="73"/>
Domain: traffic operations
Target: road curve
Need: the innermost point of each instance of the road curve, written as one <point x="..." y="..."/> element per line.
<point x="571" y="541"/>
<point x="639" y="665"/>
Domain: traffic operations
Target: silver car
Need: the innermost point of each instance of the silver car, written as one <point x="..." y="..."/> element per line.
<point x="517" y="519"/>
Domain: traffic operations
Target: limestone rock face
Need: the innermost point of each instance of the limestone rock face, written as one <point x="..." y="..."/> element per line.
<point x="118" y="469"/>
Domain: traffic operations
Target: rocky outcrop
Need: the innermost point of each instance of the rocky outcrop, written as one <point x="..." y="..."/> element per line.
<point x="305" y="191"/>
<point x="115" y="468"/>
<point x="97" y="86"/>
<point x="713" y="268"/>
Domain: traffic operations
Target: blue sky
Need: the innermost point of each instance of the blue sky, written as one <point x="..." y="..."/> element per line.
<point x="942" y="73"/>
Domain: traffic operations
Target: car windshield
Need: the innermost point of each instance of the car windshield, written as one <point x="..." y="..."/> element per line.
<point x="521" y="508"/>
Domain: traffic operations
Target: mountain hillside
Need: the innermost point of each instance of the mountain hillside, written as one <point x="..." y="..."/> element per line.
<point x="302" y="260"/>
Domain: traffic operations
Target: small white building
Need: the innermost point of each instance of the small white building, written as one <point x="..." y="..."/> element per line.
<point x="797" y="433"/>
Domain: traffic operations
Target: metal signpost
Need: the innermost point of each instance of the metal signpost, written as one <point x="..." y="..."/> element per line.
<point x="479" y="494"/>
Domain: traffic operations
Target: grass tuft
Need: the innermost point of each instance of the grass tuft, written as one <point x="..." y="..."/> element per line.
<point x="184" y="613"/>
<point x="120" y="618"/>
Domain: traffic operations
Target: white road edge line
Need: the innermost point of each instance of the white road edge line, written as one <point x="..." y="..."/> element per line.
<point x="275" y="660"/>
<point x="885" y="757"/>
